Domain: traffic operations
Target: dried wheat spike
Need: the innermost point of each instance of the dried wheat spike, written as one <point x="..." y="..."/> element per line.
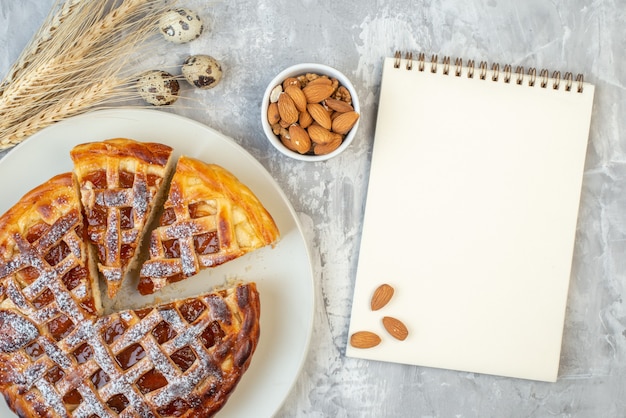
<point x="78" y="60"/>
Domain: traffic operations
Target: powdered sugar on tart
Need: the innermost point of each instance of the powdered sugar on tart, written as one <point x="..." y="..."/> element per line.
<point x="209" y="218"/>
<point x="59" y="355"/>
<point x="120" y="181"/>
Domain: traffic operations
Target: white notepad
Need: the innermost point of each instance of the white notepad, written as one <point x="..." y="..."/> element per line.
<point x="471" y="215"/>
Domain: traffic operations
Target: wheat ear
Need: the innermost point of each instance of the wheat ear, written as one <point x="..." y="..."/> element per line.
<point x="61" y="109"/>
<point x="59" y="13"/>
<point x="83" y="61"/>
<point x="73" y="50"/>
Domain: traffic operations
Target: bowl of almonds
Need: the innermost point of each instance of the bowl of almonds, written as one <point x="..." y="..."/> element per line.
<point x="310" y="112"/>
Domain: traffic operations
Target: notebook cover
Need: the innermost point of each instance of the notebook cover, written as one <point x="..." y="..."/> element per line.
<point x="471" y="217"/>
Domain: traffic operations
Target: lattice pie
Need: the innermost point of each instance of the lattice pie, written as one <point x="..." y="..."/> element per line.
<point x="119" y="180"/>
<point x="60" y="356"/>
<point x="42" y="254"/>
<point x="209" y="218"/>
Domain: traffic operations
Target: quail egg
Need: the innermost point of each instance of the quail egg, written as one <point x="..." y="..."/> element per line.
<point x="158" y="87"/>
<point x="202" y="71"/>
<point x="181" y="26"/>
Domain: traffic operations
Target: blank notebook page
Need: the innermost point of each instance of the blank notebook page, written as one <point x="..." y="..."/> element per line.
<point x="471" y="216"/>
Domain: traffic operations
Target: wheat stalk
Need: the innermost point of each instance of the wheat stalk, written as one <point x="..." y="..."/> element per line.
<point x="60" y="109"/>
<point x="79" y="59"/>
<point x="41" y="38"/>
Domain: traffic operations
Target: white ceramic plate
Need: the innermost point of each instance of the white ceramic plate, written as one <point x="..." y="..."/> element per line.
<point x="283" y="274"/>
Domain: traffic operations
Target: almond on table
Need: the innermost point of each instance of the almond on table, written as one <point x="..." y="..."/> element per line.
<point x="364" y="339"/>
<point x="382" y="296"/>
<point x="395" y="328"/>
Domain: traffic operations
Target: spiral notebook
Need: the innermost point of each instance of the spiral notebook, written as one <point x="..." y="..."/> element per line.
<point x="471" y="215"/>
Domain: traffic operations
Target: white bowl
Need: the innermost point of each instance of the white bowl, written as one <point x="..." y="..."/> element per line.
<point x="295" y="71"/>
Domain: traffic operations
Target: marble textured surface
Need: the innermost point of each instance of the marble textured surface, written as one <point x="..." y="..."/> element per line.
<point x="256" y="39"/>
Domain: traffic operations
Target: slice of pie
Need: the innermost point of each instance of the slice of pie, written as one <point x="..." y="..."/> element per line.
<point x="43" y="258"/>
<point x="120" y="182"/>
<point x="209" y="218"/>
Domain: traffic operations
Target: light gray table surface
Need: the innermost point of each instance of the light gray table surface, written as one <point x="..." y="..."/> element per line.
<point x="256" y="39"/>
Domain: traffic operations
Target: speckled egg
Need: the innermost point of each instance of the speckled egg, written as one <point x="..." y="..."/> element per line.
<point x="158" y="87"/>
<point x="202" y="71"/>
<point x="181" y="25"/>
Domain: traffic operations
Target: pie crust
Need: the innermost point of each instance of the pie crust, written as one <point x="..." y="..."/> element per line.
<point x="60" y="356"/>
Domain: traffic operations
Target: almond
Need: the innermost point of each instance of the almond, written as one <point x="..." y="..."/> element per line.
<point x="319" y="134"/>
<point x="317" y="92"/>
<point x="291" y="81"/>
<point x="320" y="80"/>
<point x="305" y="119"/>
<point x="344" y="122"/>
<point x="287" y="109"/>
<point x="299" y="99"/>
<point x="299" y="139"/>
<point x="382" y="296"/>
<point x="338" y="105"/>
<point x="272" y="114"/>
<point x="323" y="149"/>
<point x="319" y="115"/>
<point x="395" y="328"/>
<point x="364" y="339"/>
<point x="285" y="138"/>
<point x="287" y="142"/>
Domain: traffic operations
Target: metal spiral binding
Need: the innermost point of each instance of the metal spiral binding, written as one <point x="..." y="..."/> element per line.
<point x="482" y="70"/>
<point x="507" y="73"/>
